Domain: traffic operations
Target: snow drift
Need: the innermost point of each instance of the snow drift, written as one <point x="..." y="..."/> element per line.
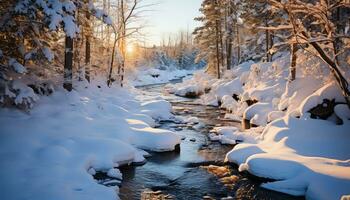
<point x="51" y="152"/>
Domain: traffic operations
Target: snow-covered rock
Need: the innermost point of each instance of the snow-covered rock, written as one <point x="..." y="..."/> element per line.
<point x="157" y="109"/>
<point x="305" y="156"/>
<point x="258" y="113"/>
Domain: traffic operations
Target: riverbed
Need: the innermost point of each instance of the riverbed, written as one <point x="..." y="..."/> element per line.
<point x="198" y="170"/>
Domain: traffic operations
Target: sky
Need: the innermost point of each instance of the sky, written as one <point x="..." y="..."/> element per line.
<point x="170" y="16"/>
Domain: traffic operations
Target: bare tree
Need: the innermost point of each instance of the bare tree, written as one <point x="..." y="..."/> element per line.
<point x="300" y="14"/>
<point x="126" y="11"/>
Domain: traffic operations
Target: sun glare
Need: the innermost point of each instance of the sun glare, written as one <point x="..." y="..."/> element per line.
<point x="130" y="48"/>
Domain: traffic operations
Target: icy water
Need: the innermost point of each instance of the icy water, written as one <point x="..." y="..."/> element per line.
<point x="198" y="170"/>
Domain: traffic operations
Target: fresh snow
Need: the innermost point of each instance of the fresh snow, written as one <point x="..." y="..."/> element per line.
<point x="53" y="151"/>
<point x="150" y="76"/>
<point x="19" y="68"/>
<point x="305" y="156"/>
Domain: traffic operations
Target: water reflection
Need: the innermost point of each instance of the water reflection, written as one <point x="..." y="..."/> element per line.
<point x="198" y="171"/>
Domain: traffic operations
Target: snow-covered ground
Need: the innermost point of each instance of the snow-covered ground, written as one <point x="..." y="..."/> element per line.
<point x="149" y="76"/>
<point x="52" y="151"/>
<point x="305" y="156"/>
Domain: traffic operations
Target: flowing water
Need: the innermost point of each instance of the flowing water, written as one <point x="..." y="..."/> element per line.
<point x="198" y="171"/>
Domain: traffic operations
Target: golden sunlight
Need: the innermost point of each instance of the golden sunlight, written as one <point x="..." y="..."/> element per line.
<point x="130" y="48"/>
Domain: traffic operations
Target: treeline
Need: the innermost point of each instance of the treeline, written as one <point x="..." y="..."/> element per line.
<point x="70" y="38"/>
<point x="175" y="51"/>
<point x="237" y="31"/>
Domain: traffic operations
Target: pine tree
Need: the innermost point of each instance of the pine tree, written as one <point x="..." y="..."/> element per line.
<point x="208" y="37"/>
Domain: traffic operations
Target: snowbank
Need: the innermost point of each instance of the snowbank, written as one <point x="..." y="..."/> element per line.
<point x="306" y="156"/>
<point x="151" y="76"/>
<point x="51" y="152"/>
<point x="157" y="109"/>
<point x="231" y="135"/>
<point x="258" y="113"/>
<point x="199" y="84"/>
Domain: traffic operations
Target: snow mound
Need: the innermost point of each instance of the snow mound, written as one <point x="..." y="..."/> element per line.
<point x="330" y="91"/>
<point x="53" y="151"/>
<point x="152" y="76"/>
<point x="258" y="113"/>
<point x="157" y="109"/>
<point x="231" y="135"/>
<point x="301" y="165"/>
<point x="229" y="88"/>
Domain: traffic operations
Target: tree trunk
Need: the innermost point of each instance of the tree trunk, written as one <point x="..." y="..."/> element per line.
<point x="109" y="81"/>
<point x="87" y="48"/>
<point x="123" y="52"/>
<point x="342" y="82"/>
<point x="293" y="62"/>
<point x="222" y="59"/>
<point x="77" y="45"/>
<point x="229" y="53"/>
<point x="87" y="58"/>
<point x="68" y="64"/>
<point x="337" y="41"/>
<point x="229" y="28"/>
<point x="217" y="49"/>
<point x="271" y="45"/>
<point x="238" y="45"/>
<point x="121" y="70"/>
<point x="267" y="40"/>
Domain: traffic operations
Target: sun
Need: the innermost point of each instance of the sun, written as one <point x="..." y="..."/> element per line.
<point x="130" y="48"/>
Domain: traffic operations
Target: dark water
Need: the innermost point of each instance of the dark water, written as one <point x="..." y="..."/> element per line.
<point x="198" y="170"/>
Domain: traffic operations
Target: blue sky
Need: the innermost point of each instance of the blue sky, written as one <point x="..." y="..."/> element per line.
<point x="170" y="16"/>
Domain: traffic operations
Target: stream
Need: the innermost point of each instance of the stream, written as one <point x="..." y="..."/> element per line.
<point x="196" y="172"/>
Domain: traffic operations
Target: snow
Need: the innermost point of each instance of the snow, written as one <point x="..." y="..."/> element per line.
<point x="25" y="94"/>
<point x="193" y="86"/>
<point x="157" y="109"/>
<point x="232" y="135"/>
<point x="115" y="173"/>
<point x="258" y="113"/>
<point x="19" y="68"/>
<point x="53" y="151"/>
<point x="187" y="90"/>
<point x="329" y="91"/>
<point x="229" y="88"/>
<point x="150" y="76"/>
<point x="48" y="54"/>
<point x="70" y="26"/>
<point x="297" y="91"/>
<point x="301" y="165"/>
<point x="192" y="120"/>
<point x="303" y="156"/>
<point x="342" y="111"/>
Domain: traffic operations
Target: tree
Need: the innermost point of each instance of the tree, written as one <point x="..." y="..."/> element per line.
<point x="68" y="64"/>
<point x="208" y="37"/>
<point x="126" y="11"/>
<point x="313" y="25"/>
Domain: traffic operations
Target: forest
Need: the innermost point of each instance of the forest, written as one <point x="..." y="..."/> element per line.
<point x="174" y="99"/>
